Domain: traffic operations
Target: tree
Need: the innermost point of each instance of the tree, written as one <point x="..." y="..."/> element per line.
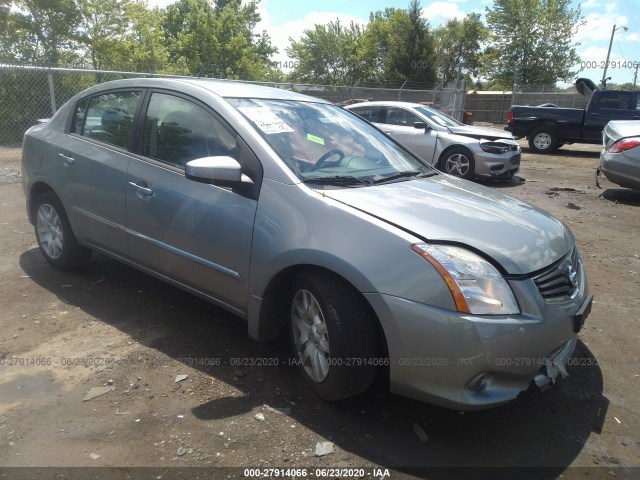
<point x="402" y="46"/>
<point x="329" y="54"/>
<point x="41" y="31"/>
<point x="459" y="43"/>
<point x="145" y="46"/>
<point x="101" y="31"/>
<point x="217" y="41"/>
<point x="534" y="38"/>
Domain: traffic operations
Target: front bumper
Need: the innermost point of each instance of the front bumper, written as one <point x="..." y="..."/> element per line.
<point x="470" y="362"/>
<point x="494" y="165"/>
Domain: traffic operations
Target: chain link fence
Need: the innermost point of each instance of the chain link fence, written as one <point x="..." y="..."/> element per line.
<point x="493" y="106"/>
<point x="29" y="93"/>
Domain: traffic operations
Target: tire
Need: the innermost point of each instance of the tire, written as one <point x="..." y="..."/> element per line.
<point x="543" y="140"/>
<point x="332" y="334"/>
<point x="56" y="240"/>
<point x="459" y="162"/>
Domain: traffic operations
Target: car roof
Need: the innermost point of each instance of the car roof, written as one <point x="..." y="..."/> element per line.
<point x="223" y="88"/>
<point x="386" y="104"/>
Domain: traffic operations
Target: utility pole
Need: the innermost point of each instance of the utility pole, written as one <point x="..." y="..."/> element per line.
<point x="606" y="64"/>
<point x="635" y="75"/>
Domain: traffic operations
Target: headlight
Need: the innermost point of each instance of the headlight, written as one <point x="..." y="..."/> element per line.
<point x="494" y="147"/>
<point x="477" y="287"/>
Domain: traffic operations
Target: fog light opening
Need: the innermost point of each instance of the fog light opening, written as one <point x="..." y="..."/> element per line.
<point x="478" y="383"/>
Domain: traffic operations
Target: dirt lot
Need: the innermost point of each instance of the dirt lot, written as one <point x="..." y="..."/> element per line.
<point x="63" y="334"/>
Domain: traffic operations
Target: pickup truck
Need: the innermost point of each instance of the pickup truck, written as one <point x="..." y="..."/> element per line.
<point x="548" y="127"/>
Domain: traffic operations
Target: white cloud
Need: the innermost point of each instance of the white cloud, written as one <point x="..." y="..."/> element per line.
<point x="595" y="54"/>
<point x="295" y="28"/>
<point x="631" y="37"/>
<point x="160" y="3"/>
<point x="590" y="4"/>
<point x="439" y="12"/>
<point x="598" y="26"/>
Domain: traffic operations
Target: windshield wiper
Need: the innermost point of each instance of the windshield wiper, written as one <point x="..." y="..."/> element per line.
<point x="345" y="180"/>
<point x="407" y="173"/>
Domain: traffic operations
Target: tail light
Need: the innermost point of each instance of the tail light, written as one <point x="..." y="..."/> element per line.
<point x="624" y="144"/>
<point x="510" y="117"/>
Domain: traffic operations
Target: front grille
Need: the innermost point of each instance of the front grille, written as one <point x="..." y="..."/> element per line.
<point x="515" y="160"/>
<point x="560" y="281"/>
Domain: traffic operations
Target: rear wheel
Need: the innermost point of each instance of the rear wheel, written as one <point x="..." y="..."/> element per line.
<point x="56" y="240"/>
<point x="543" y="140"/>
<point x="458" y="162"/>
<point x="333" y="336"/>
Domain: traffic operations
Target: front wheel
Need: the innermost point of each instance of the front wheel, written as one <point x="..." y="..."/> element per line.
<point x="458" y="162"/>
<point x="56" y="240"/>
<point x="333" y="336"/>
<point x="543" y="140"/>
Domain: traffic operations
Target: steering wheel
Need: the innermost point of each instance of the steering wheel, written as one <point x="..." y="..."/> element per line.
<point x="323" y="159"/>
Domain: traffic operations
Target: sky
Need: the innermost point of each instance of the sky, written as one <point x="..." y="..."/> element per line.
<point x="289" y="18"/>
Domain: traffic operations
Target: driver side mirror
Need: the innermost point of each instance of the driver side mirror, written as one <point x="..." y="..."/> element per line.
<point x="423" y="125"/>
<point x="223" y="171"/>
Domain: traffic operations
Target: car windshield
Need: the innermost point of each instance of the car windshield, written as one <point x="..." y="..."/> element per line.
<point x="324" y="144"/>
<point x="438" y="117"/>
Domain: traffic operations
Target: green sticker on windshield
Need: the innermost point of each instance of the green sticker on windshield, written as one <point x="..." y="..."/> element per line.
<point x="313" y="138"/>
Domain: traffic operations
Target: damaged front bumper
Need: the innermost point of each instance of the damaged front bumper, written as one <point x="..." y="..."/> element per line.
<point x="471" y="362"/>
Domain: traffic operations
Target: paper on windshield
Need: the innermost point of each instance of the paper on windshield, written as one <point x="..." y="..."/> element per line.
<point x="266" y="120"/>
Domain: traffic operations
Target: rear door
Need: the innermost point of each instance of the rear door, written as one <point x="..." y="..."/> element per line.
<point x="606" y="106"/>
<point x="194" y="233"/>
<point x="91" y="167"/>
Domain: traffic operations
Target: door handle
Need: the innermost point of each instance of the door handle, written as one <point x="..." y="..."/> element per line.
<point x="67" y="159"/>
<point x="389" y="132"/>
<point x="143" y="189"/>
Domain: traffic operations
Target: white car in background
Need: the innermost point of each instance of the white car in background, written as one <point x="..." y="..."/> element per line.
<point x="462" y="150"/>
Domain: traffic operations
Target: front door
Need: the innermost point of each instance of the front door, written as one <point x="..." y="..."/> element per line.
<point x="194" y="233"/>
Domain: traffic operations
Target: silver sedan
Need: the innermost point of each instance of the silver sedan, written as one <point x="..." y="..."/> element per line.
<point x="620" y="159"/>
<point x="300" y="217"/>
<point x="464" y="151"/>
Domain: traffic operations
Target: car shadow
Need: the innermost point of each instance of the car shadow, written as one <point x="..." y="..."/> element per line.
<point x="515" y="181"/>
<point x="564" y="151"/>
<point x="546" y="429"/>
<point x="622" y="195"/>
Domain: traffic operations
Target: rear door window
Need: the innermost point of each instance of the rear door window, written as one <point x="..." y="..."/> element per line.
<point x="108" y="118"/>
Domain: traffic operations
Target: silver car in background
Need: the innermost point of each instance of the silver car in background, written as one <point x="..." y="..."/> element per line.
<point x="299" y="216"/>
<point x="620" y="159"/>
<point x="464" y="151"/>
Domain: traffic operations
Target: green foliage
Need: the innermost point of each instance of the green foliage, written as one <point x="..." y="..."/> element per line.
<point x="217" y="41"/>
<point x="459" y="42"/>
<point x="533" y="37"/>
<point x="329" y="54"/>
<point x="401" y="46"/>
<point x="194" y="37"/>
<point x="40" y="31"/>
<point x="101" y="32"/>
<point x="395" y="47"/>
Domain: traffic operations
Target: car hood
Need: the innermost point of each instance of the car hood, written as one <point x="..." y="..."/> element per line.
<point x="481" y="132"/>
<point x="519" y="236"/>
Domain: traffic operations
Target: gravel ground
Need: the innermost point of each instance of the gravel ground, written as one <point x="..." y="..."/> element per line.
<point x="63" y="335"/>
